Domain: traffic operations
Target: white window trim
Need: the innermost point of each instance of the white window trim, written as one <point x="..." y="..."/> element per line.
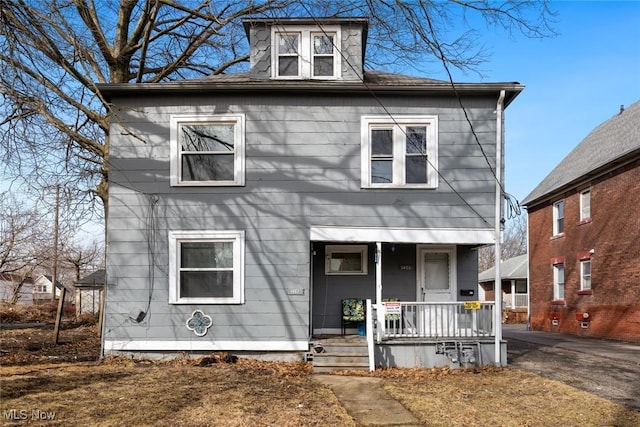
<point x="585" y="194"/>
<point x="239" y="153"/>
<point x="582" y="275"/>
<point x="235" y="236"/>
<point x="305" y="50"/>
<point x="431" y="123"/>
<point x="331" y="249"/>
<point x="557" y="232"/>
<point x="556" y="283"/>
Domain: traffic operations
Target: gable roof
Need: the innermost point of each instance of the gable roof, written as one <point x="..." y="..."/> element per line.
<point x="95" y="279"/>
<point x="512" y="268"/>
<point x="612" y="142"/>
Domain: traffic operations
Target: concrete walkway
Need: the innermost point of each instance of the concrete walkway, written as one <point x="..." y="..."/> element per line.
<point x="366" y="401"/>
<point x="629" y="352"/>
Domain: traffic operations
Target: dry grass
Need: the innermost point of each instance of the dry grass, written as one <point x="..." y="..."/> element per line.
<point x="499" y="397"/>
<point x="250" y="393"/>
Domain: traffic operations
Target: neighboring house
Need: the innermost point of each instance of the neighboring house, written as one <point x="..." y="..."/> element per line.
<point x="515" y="294"/>
<point x="584" y="234"/>
<point x="10" y="283"/>
<point x="244" y="208"/>
<point x="89" y="293"/>
<point x="42" y="288"/>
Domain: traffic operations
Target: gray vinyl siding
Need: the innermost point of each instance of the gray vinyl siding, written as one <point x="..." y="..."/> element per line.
<point x="302" y="169"/>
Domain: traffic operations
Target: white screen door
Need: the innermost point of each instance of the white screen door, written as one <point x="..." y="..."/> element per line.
<point x="436" y="274"/>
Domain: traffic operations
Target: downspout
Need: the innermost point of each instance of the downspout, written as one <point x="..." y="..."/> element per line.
<point x="497" y="285"/>
<point x="528" y="281"/>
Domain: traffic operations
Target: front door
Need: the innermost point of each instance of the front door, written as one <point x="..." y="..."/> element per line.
<point x="436" y="274"/>
<point x="436" y="284"/>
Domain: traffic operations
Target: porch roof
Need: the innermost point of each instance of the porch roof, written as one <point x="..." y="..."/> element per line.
<point x="460" y="236"/>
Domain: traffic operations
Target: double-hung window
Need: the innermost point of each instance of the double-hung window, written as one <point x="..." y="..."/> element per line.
<point x="585" y="204"/>
<point x="558" y="217"/>
<point x="399" y="151"/>
<point x="207" y="150"/>
<point x="206" y="267"/>
<point x="585" y="275"/>
<point x="558" y="282"/>
<point x="304" y="52"/>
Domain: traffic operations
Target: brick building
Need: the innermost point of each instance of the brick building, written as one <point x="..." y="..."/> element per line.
<point x="584" y="236"/>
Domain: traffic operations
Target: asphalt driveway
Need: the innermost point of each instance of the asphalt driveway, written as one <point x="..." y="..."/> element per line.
<point x="608" y="369"/>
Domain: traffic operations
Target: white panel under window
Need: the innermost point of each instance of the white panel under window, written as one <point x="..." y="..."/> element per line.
<point x="346" y="260"/>
<point x="399" y="152"/>
<point x="206" y="267"/>
<point x="207" y="150"/>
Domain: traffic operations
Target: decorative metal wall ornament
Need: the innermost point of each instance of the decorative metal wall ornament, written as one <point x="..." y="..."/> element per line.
<point x="199" y="323"/>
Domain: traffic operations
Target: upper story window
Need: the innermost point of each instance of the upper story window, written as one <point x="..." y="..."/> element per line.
<point x="207" y="150"/>
<point x="399" y="151"/>
<point x="306" y="52"/>
<point x="585" y="204"/>
<point x="585" y="275"/>
<point x="558" y="217"/>
<point x="558" y="282"/>
<point x="206" y="267"/>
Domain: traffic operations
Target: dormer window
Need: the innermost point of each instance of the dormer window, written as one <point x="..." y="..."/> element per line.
<point x="306" y="52"/>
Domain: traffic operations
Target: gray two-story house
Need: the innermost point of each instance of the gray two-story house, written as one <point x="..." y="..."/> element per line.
<point x="244" y="208"/>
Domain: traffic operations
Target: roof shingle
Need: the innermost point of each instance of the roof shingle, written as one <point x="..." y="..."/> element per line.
<point x="614" y="139"/>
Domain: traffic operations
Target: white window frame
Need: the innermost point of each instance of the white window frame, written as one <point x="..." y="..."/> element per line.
<point x="585" y="279"/>
<point x="558" y="287"/>
<point x="399" y="124"/>
<point x="305" y="50"/>
<point x="238" y="120"/>
<point x="557" y="230"/>
<point x="585" y="204"/>
<point x="237" y="237"/>
<point x="333" y="249"/>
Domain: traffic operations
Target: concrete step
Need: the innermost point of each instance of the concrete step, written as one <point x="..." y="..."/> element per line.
<point x="340" y="353"/>
<point x="337" y="345"/>
<point x="324" y="365"/>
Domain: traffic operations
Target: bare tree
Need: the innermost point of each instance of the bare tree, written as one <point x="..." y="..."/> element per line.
<point x="23" y="243"/>
<point x="54" y="121"/>
<point x="514" y="243"/>
<point x="79" y="258"/>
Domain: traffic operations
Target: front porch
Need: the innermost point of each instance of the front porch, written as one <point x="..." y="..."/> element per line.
<point x="419" y="334"/>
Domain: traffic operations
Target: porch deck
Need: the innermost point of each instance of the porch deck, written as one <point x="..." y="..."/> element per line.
<point x="432" y="334"/>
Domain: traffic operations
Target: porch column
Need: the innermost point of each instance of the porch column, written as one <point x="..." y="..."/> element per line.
<point x="498" y="225"/>
<point x="379" y="311"/>
<point x="513" y="293"/>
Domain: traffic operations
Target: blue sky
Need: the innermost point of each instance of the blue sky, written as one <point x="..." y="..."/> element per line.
<point x="574" y="82"/>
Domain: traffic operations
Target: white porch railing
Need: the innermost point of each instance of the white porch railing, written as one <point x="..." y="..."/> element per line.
<point x="515" y="300"/>
<point x="433" y="320"/>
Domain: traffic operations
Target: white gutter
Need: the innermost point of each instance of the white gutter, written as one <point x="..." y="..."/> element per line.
<point x="497" y="286"/>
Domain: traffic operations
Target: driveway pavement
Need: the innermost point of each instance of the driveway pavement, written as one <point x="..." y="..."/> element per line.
<point x="628" y="352"/>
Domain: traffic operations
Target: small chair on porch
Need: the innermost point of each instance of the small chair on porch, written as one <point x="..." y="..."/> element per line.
<point x="353" y="312"/>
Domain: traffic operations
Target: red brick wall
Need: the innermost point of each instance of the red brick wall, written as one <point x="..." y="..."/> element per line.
<point x="614" y="234"/>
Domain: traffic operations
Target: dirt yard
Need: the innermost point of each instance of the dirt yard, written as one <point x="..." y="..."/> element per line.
<point x="65" y="384"/>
